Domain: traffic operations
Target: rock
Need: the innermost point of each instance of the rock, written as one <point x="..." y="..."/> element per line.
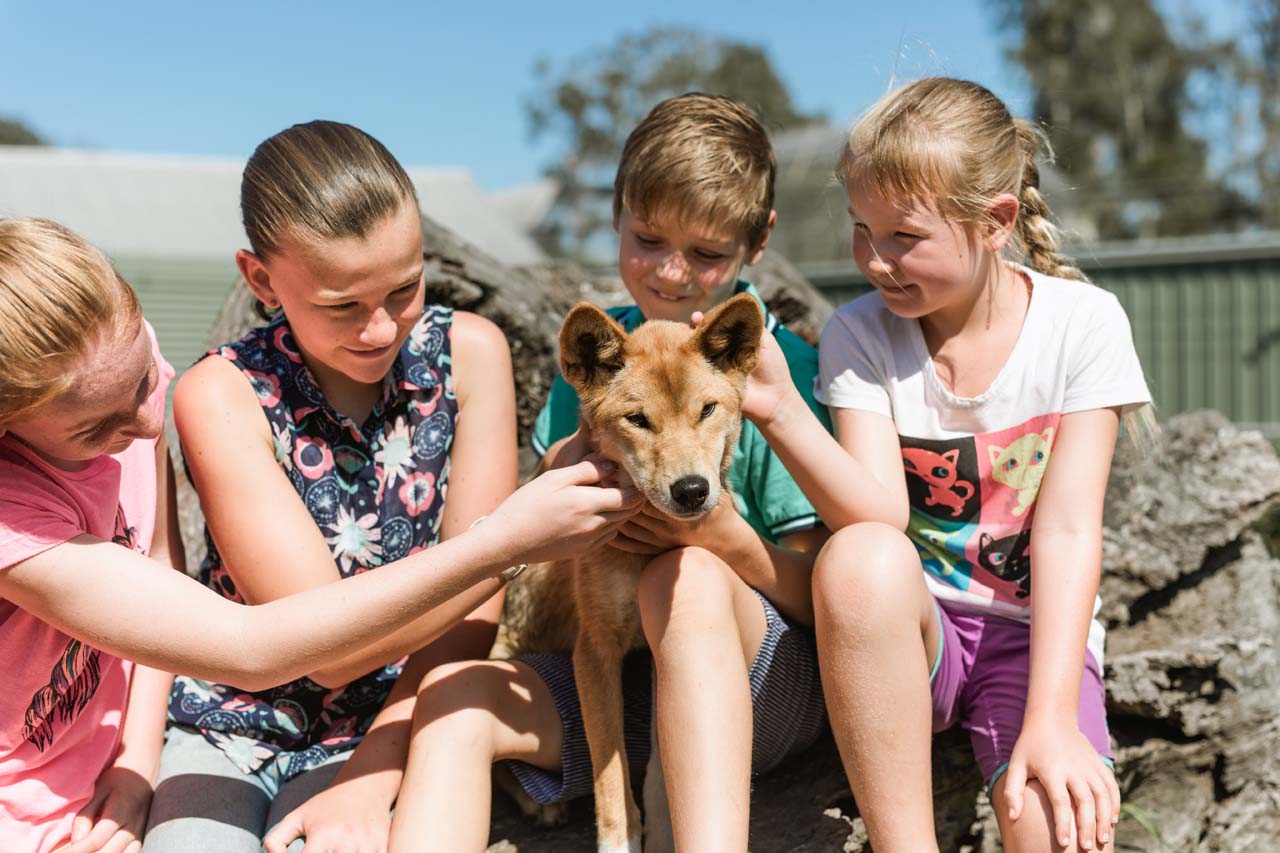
<point x="1192" y="596"/>
<point x="1165" y="516"/>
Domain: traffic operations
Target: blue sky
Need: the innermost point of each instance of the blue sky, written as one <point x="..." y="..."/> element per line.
<point x="439" y="84"/>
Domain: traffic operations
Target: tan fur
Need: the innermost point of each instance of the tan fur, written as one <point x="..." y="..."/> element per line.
<point x="668" y="374"/>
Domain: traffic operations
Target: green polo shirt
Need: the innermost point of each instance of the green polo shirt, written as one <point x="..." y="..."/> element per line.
<point x="766" y="496"/>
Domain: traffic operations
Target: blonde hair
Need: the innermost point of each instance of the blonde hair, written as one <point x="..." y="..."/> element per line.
<point x="702" y="158"/>
<point x="319" y="181"/>
<point x="953" y="145"/>
<point x="56" y="292"/>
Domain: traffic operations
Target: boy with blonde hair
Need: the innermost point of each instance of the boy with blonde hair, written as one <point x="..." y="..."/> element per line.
<point x="737" y="687"/>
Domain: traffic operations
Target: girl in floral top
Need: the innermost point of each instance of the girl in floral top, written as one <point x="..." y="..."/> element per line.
<point x="325" y="442"/>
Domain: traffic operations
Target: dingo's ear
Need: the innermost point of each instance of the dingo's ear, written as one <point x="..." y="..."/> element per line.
<point x="590" y="347"/>
<point x="729" y="337"/>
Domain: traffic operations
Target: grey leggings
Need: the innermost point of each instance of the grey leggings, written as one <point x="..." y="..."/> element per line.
<point x="205" y="804"/>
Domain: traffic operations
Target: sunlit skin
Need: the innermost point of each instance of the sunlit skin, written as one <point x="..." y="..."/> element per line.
<point x="925" y="266"/>
<point x="673" y="268"/>
<point x="111" y="402"/>
<point x="351" y="302"/>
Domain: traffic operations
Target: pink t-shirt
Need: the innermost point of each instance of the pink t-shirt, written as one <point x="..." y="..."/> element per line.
<point x="62" y="701"/>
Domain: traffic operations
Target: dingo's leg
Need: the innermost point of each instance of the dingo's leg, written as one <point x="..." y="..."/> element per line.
<point x="597" y="666"/>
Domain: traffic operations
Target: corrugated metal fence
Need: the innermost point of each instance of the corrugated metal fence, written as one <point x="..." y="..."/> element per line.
<point x="1205" y="313"/>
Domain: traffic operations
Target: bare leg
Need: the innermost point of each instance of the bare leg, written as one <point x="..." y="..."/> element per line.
<point x="468" y="715"/>
<point x="877" y="637"/>
<point x="1032" y="832"/>
<point x="657" y="808"/>
<point x="704" y="625"/>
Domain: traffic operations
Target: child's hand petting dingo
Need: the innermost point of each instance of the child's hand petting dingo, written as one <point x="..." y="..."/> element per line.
<point x="652" y="531"/>
<point x="563" y="512"/>
<point x="770" y="384"/>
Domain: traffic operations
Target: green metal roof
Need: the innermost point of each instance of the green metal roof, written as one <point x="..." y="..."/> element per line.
<point x="180" y="297"/>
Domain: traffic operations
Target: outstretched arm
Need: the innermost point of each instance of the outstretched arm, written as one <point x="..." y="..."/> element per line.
<point x="126" y="604"/>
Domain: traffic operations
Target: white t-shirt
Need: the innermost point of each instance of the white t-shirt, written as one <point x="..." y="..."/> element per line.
<point x="974" y="464"/>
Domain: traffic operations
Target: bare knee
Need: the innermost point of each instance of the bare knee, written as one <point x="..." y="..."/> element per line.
<point x="469" y="688"/>
<point x="683" y="583"/>
<point x="1033" y="830"/>
<point x="865" y="573"/>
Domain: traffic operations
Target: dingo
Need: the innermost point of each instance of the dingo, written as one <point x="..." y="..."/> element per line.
<point x="664" y="403"/>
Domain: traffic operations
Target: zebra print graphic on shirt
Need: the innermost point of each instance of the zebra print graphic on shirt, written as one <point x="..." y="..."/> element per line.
<point x="72" y="683"/>
<point x="77" y="673"/>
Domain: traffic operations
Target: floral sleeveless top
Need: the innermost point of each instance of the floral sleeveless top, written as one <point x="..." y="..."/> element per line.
<point x="376" y="491"/>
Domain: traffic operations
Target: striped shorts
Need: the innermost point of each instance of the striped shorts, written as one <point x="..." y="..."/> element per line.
<point x="786" y="698"/>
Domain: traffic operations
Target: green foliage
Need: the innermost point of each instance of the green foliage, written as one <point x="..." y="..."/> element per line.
<point x="15" y="132"/>
<point x="1116" y="89"/>
<point x="1259" y="75"/>
<point x="590" y="103"/>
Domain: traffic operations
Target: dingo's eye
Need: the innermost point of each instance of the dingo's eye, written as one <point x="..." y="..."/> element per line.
<point x="707" y="410"/>
<point x="638" y="420"/>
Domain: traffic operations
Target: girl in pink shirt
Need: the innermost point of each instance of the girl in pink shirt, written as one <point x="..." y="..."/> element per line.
<point x="87" y="509"/>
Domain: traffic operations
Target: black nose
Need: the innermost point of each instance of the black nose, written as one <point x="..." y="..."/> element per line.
<point x="690" y="492"/>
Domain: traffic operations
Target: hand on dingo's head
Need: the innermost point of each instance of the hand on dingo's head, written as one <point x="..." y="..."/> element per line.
<point x="563" y="512"/>
<point x="769" y="383"/>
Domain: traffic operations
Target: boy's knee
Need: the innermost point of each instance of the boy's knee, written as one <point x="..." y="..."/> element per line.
<point x="867" y="564"/>
<point x="687" y="583"/>
<point x="684" y="576"/>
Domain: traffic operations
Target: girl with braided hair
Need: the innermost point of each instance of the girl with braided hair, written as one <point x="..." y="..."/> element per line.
<point x="976" y="402"/>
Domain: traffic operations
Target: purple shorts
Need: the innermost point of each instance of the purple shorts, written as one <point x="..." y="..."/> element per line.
<point x="980" y="678"/>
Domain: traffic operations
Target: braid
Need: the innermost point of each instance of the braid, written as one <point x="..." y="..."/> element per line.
<point x="1038" y="235"/>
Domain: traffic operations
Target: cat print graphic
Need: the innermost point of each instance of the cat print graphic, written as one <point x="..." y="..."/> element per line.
<point x="938" y="470"/>
<point x="1021" y="466"/>
<point x="1008" y="558"/>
